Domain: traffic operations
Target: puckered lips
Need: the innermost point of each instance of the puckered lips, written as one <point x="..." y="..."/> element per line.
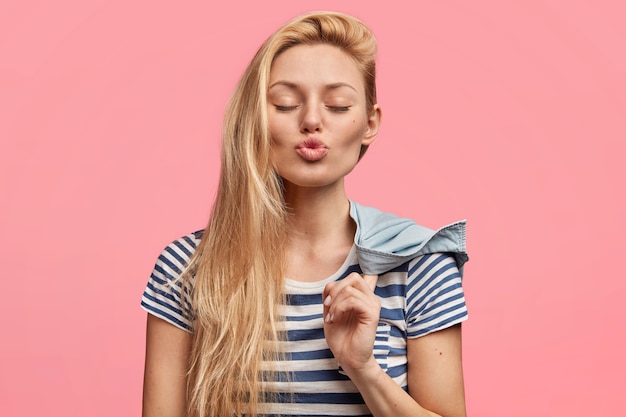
<point x="311" y="149"/>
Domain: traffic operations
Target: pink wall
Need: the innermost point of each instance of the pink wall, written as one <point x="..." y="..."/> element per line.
<point x="508" y="113"/>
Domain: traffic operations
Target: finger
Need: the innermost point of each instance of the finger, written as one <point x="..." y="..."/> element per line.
<point x="354" y="301"/>
<point x="331" y="290"/>
<point x="327" y="290"/>
<point x="327" y="300"/>
<point x="356" y="298"/>
<point x="371" y="281"/>
<point x="353" y="285"/>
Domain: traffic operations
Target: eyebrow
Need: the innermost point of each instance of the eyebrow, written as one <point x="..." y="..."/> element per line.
<point x="332" y="86"/>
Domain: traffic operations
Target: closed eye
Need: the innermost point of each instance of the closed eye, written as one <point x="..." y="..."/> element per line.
<point x="339" y="109"/>
<point x="285" y="108"/>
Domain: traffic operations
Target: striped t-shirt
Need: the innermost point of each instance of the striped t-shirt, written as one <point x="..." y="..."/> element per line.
<point x="420" y="296"/>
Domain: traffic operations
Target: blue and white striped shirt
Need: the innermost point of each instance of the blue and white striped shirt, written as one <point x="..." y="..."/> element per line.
<point x="421" y="296"/>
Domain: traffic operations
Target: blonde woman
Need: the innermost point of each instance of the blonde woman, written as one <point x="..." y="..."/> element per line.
<point x="294" y="300"/>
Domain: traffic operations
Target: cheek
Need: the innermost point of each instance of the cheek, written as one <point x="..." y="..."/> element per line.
<point x="271" y="126"/>
<point x="275" y="133"/>
<point x="357" y="129"/>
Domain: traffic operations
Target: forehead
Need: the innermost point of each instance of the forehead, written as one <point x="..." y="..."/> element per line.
<point x="316" y="66"/>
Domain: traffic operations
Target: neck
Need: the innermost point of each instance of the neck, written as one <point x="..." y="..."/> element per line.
<point x="319" y="214"/>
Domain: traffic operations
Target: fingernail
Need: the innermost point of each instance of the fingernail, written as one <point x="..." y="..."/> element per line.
<point x="327" y="300"/>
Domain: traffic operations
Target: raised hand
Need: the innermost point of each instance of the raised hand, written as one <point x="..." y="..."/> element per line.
<point x="351" y="314"/>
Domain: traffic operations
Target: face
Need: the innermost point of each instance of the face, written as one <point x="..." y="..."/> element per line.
<point x="318" y="116"/>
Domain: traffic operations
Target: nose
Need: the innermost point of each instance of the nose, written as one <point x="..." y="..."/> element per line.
<point x="311" y="119"/>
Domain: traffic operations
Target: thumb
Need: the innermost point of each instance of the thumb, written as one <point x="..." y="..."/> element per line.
<point x="370" y="280"/>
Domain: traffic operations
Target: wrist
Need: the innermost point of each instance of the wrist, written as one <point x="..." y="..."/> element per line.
<point x="368" y="372"/>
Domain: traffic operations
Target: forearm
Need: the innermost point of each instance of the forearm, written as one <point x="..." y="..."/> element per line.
<point x="383" y="396"/>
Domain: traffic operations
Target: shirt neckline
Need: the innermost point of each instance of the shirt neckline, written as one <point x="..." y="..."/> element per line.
<point x="351" y="259"/>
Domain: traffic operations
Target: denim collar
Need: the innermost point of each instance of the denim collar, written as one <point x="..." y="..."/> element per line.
<point x="385" y="241"/>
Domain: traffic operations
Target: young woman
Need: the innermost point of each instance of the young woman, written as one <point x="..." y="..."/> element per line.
<point x="295" y="300"/>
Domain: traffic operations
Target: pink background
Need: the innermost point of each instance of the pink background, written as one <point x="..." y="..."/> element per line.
<point x="508" y="113"/>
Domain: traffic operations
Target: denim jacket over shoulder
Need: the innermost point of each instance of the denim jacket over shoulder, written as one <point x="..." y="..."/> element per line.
<point x="385" y="241"/>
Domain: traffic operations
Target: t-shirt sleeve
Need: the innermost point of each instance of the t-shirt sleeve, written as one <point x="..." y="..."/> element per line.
<point x="162" y="296"/>
<point x="435" y="298"/>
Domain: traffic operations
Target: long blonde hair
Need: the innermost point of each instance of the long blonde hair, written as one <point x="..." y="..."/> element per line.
<point x="235" y="277"/>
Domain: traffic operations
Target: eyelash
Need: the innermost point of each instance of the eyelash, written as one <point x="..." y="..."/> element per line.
<point x="285" y="108"/>
<point x="335" y="109"/>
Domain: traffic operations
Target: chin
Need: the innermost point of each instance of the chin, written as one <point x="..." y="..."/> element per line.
<point x="309" y="182"/>
<point x="314" y="178"/>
